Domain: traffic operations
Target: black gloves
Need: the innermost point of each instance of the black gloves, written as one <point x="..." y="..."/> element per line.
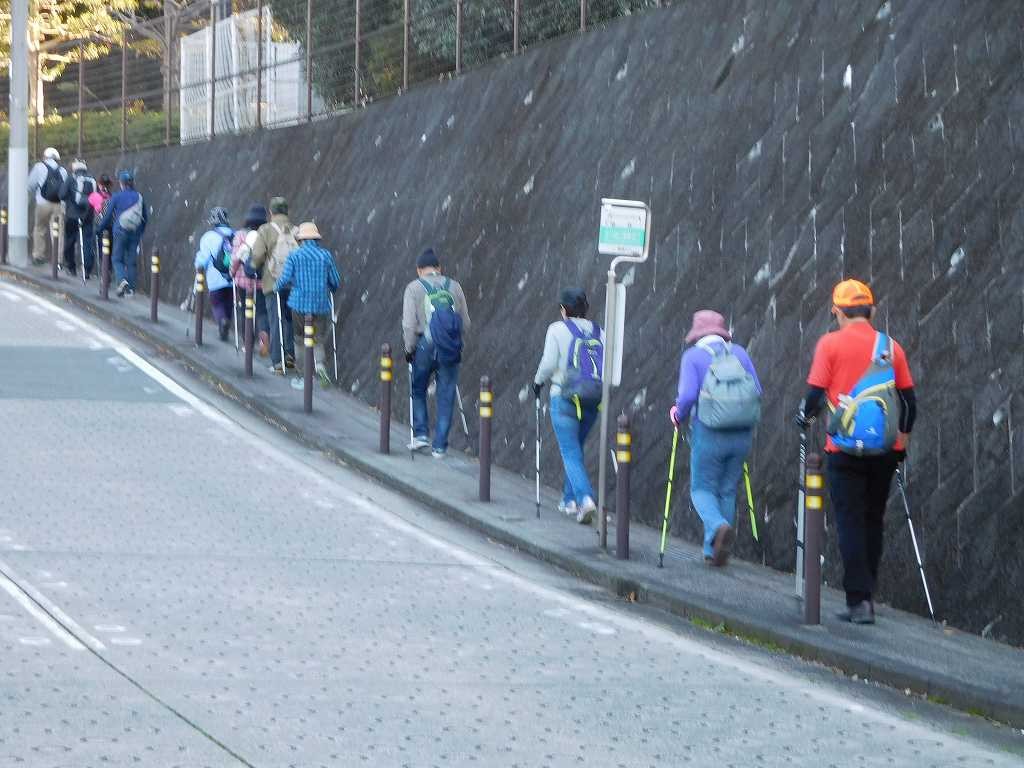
<point x="536" y="390"/>
<point x="409" y="357"/>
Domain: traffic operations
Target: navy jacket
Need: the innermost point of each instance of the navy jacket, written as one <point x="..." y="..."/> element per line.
<point x="117" y="205"/>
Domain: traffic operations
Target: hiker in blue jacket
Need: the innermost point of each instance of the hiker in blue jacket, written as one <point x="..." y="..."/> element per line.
<point x="125" y="217"/>
<point x="716" y="454"/>
<point x="214" y="258"/>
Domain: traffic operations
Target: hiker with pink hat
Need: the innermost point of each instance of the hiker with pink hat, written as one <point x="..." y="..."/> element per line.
<point x="719" y="389"/>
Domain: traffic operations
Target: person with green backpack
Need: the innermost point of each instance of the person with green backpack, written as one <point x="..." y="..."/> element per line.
<point x="274" y="241"/>
<point x="718" y="386"/>
<point x="214" y="257"/>
<point x="863" y="377"/>
<point x="434" y="319"/>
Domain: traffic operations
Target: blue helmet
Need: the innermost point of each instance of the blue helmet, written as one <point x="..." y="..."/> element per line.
<point x="126" y="176"/>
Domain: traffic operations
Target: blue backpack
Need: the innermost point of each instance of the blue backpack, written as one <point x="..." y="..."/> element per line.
<point x="444" y="324"/>
<point x="866" y="421"/>
<point x="585" y="369"/>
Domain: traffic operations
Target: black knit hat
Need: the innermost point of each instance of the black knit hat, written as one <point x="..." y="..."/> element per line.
<point x="427" y="259"/>
<point x="256" y="217"/>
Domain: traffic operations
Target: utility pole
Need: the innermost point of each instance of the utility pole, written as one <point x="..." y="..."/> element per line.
<point x="17" y="151"/>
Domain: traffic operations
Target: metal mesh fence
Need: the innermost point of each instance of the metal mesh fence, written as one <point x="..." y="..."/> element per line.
<point x="222" y="67"/>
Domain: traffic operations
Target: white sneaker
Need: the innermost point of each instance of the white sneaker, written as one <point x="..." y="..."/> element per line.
<point x="418" y="444"/>
<point x="586" y="511"/>
<point x="567" y="508"/>
<point x="438" y="454"/>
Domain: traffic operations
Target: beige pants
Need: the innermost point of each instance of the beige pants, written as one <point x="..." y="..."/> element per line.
<point x="45" y="213"/>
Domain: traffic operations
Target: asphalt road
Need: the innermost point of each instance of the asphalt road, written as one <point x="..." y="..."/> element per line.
<point x="180" y="585"/>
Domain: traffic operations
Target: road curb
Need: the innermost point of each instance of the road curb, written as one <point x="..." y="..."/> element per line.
<point x="599" y="569"/>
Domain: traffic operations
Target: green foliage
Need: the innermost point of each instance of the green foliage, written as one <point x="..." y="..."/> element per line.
<point x="102" y="132"/>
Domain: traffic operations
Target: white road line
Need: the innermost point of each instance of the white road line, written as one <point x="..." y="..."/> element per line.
<point x="74" y="630"/>
<point x="39" y="615"/>
<point x="11" y="295"/>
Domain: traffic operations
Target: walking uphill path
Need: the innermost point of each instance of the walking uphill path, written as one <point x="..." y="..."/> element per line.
<point x="904" y="650"/>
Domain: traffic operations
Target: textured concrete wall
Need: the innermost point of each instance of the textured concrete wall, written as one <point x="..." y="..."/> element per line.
<point x="782" y="146"/>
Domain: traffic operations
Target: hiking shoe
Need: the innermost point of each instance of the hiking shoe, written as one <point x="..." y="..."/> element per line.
<point x="123" y="288"/>
<point x="325" y="378"/>
<point x="277" y="369"/>
<point x="725" y="536"/>
<point x="861" y="613"/>
<point x="585" y="513"/>
<point x="289" y="361"/>
<point x="223" y="329"/>
<point x="264" y="343"/>
<point x="568" y="508"/>
<point x="419" y="443"/>
<point x="438" y="454"/>
<point x="129" y="292"/>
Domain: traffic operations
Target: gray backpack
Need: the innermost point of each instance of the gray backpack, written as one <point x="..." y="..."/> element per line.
<point x="729" y="398"/>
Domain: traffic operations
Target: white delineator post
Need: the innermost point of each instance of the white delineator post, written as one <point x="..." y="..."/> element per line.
<point x="17" y="152"/>
<point x="625" y="234"/>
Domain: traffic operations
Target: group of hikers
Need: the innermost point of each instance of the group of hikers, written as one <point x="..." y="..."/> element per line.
<point x="860" y="374"/>
<point x="79" y="199"/>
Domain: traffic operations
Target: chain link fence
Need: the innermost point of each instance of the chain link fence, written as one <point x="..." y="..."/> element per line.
<point x="218" y="67"/>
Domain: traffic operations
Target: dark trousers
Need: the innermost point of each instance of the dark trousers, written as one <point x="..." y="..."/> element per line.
<point x="276" y="326"/>
<point x="72" y="254"/>
<point x="859" y="489"/>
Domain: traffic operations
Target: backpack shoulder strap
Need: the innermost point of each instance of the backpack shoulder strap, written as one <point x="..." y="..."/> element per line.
<point x="426" y="286"/>
<point x="883" y="349"/>
<point x="574" y="329"/>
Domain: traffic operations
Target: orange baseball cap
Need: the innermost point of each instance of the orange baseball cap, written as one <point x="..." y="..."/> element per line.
<point x="852" y="293"/>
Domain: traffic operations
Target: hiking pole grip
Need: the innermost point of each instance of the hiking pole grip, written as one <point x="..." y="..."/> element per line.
<point x="200" y="304"/>
<point x="385" y="398"/>
<point x="154" y="285"/>
<point x="486" y="413"/>
<point x="814" y="510"/>
<point x="624" y="458"/>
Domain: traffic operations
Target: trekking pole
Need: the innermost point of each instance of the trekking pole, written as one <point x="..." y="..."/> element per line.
<point x="334" y="338"/>
<point x="280" y="333"/>
<point x="750" y="501"/>
<point x="81" y="249"/>
<point x="668" y="497"/>
<point x="234" y="311"/>
<point x="462" y="411"/>
<point x="913" y="539"/>
<point x="412" y="450"/>
<point x="105" y="266"/>
<point x="536" y="427"/>
<point x="800" y="500"/>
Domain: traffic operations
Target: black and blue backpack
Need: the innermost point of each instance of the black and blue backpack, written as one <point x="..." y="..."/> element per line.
<point x="444" y="323"/>
<point x="584" y="372"/>
<point x="866" y="421"/>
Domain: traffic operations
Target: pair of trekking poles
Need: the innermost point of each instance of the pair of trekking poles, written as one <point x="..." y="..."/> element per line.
<point x="458" y="399"/>
<point x="667" y="514"/>
<point x="280" y="330"/>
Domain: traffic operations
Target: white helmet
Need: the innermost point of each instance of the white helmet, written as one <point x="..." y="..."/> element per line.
<point x="51" y="154"/>
<point x="78" y="165"/>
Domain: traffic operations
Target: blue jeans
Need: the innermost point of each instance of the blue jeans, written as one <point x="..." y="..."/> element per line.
<point x="571" y="432"/>
<point x="123" y="256"/>
<point x="716" y="466"/>
<point x="424" y="365"/>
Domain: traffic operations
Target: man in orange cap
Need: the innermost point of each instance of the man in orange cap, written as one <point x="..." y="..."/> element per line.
<point x="864" y="378"/>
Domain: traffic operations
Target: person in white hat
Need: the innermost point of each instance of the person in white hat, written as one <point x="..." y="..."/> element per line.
<point x="44" y="182"/>
<point x="311" y="276"/>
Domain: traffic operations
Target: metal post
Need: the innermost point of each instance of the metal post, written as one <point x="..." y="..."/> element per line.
<point x="213" y="69"/>
<point x="17" y="147"/>
<point x="200" y="302"/>
<point x="355" y="85"/>
<point x="606" y="386"/>
<point x="54" y="246"/>
<point x="583" y="15"/>
<point x="309" y="61"/>
<point x="154" y="285"/>
<point x="486" y="414"/>
<point x="250" y="329"/>
<point x="3" y="235"/>
<point x="81" y="95"/>
<point x="815" y="532"/>
<point x="623" y="458"/>
<point x="307" y="363"/>
<point x="124" y="97"/>
<point x="169" y="68"/>
<point x="105" y="265"/>
<point x="516" y="4"/>
<point x="385" y="398"/>
<point x="458" y="37"/>
<point x="405" y="48"/>
<point x="259" y="63"/>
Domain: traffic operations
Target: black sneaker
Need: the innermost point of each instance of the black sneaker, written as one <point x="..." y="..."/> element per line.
<point x="725" y="536"/>
<point x="861" y="613"/>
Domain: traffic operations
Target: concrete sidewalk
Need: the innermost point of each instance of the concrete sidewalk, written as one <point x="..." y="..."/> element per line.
<point x="904" y="651"/>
